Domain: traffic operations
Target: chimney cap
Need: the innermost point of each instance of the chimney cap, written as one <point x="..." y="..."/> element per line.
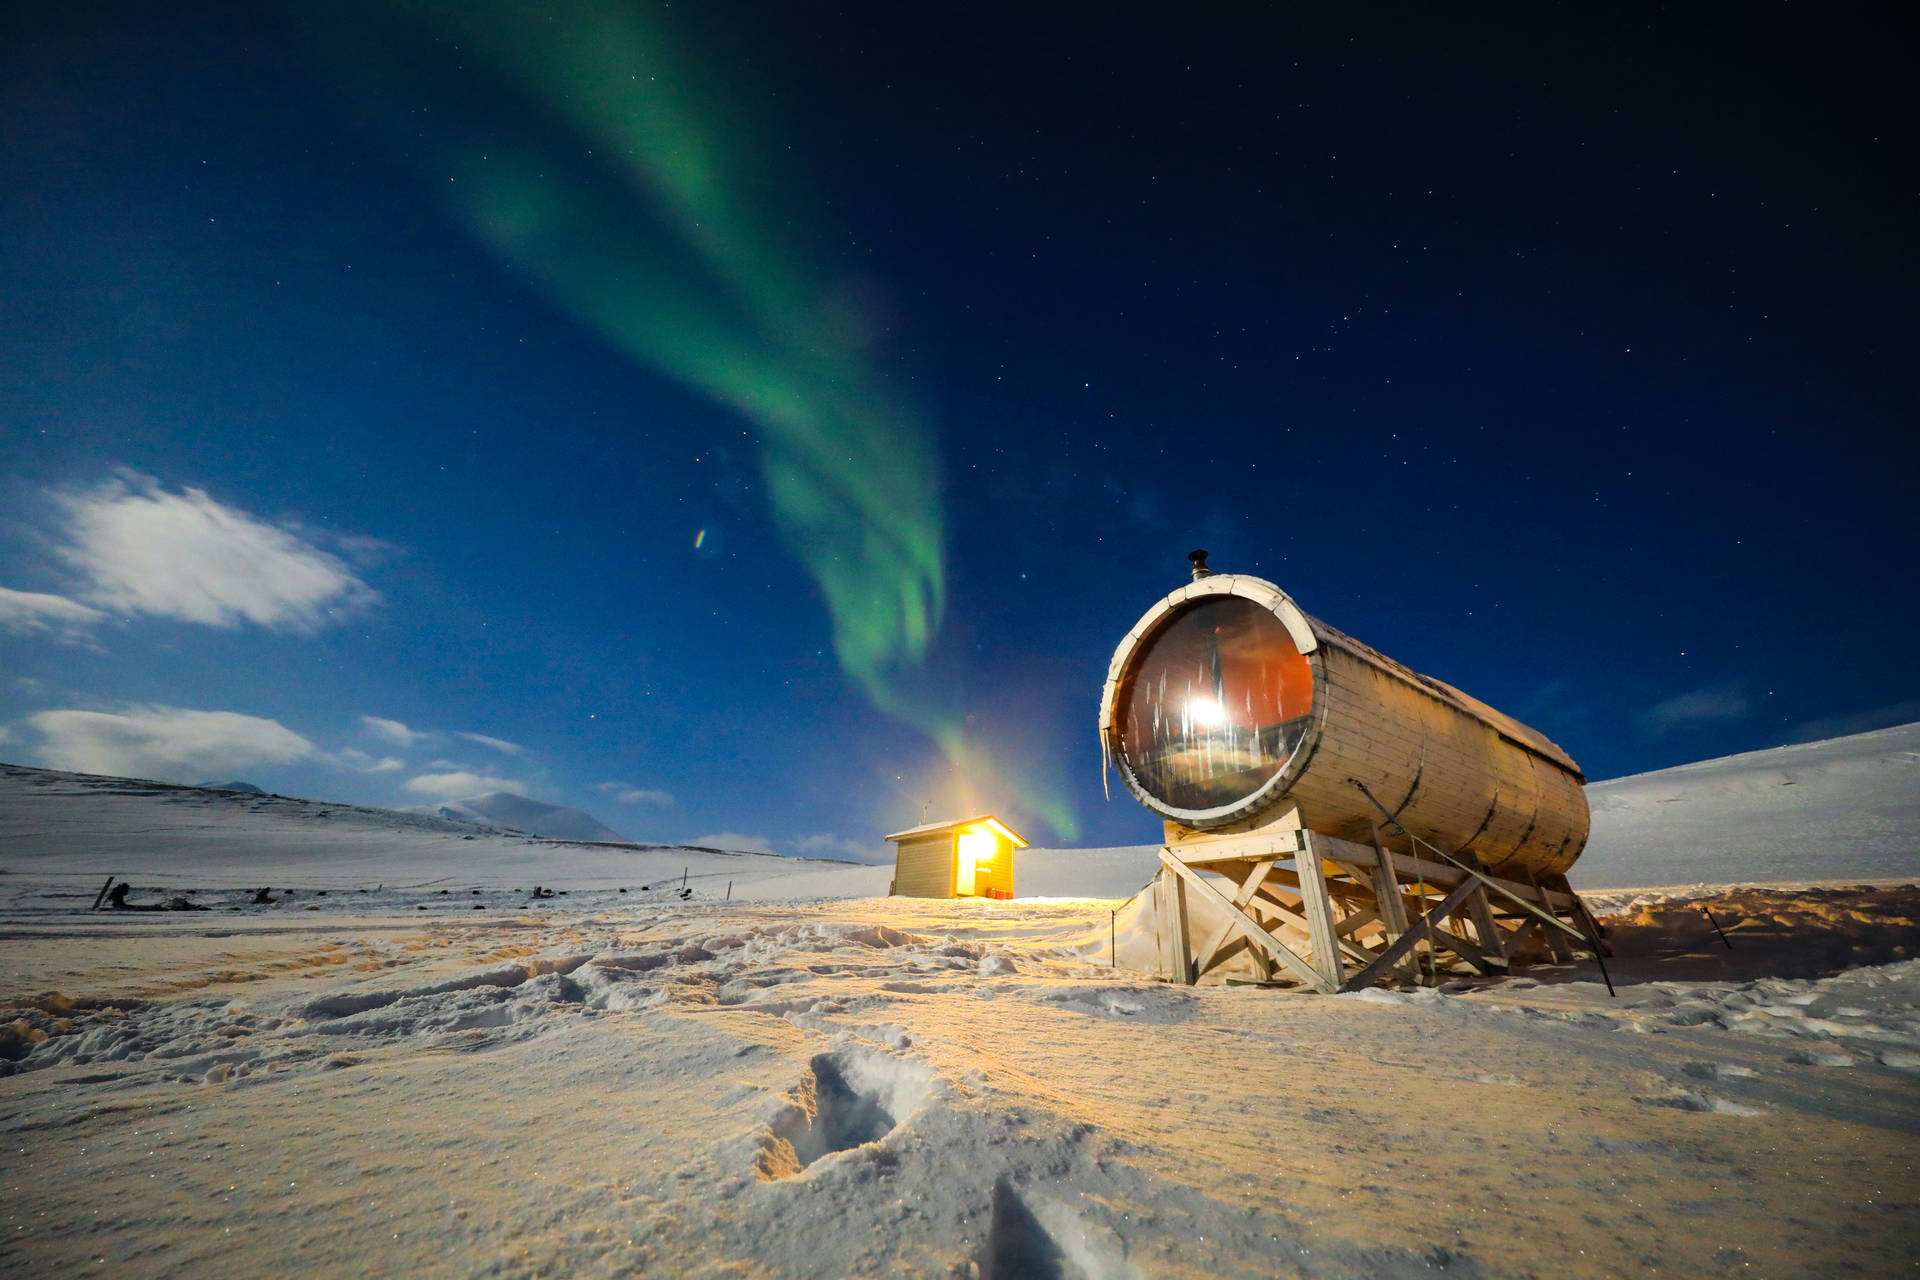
<point x="1198" y="559"/>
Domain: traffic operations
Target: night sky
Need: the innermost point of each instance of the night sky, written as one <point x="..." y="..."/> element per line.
<point x="760" y="422"/>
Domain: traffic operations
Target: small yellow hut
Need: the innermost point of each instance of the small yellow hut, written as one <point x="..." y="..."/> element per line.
<point x="968" y="858"/>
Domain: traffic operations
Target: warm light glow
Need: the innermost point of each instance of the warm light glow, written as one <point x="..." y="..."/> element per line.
<point x="975" y="849"/>
<point x="982" y="845"/>
<point x="1205" y="711"/>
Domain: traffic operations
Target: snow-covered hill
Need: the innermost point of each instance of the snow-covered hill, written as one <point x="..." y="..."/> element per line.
<point x="517" y="813"/>
<point x="1843" y="809"/>
<point x="61" y="834"/>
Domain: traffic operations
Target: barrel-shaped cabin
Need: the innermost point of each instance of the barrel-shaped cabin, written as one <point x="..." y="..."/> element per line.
<point x="1226" y="702"/>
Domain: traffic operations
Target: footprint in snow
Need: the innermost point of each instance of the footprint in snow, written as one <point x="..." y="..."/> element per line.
<point x="848" y="1098"/>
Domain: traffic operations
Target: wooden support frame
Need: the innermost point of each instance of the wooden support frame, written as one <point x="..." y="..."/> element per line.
<point x="1186" y="877"/>
<point x="1338" y="916"/>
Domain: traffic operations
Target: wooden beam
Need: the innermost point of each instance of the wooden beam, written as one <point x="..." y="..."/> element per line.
<point x="1439" y="873"/>
<point x="1164" y="901"/>
<point x="1317" y="906"/>
<point x="1357" y="921"/>
<point x="1485" y="931"/>
<point x="1467" y="951"/>
<point x="1387" y="896"/>
<point x="1253" y="932"/>
<point x="1249" y="846"/>
<point x="1182" y="940"/>
<point x="1518" y="938"/>
<point x="1242" y="896"/>
<point x="1556" y="940"/>
<point x="1386" y="960"/>
<point x="1296" y="920"/>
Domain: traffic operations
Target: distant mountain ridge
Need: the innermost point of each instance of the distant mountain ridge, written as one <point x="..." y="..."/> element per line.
<point x="518" y="813"/>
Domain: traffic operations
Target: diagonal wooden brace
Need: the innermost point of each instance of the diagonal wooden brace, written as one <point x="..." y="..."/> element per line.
<point x="1387" y="959"/>
<point x="1299" y="921"/>
<point x="1248" y="887"/>
<point x="1239" y="921"/>
<point x="1487" y="933"/>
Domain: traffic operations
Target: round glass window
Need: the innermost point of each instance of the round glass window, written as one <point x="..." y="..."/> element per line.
<point x="1213" y="704"/>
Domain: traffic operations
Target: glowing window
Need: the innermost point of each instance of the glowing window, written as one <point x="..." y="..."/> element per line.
<point x="975" y="849"/>
<point x="1212" y="705"/>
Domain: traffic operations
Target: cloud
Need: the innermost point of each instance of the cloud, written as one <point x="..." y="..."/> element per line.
<point x="401" y="736"/>
<point x="828" y="845"/>
<point x="462" y="784"/>
<point x="170" y="743"/>
<point x="144" y="550"/>
<point x="360" y="762"/>
<point x="1859" y="722"/>
<point x="1716" y="702"/>
<point x="390" y="731"/>
<point x="733" y="840"/>
<point x="29" y="612"/>
<point x="627" y="793"/>
<point x="498" y="744"/>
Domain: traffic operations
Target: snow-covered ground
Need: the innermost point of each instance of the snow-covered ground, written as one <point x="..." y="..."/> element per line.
<point x="796" y="1084"/>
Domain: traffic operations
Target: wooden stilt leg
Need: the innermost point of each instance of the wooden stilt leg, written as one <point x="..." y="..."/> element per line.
<point x="1386" y="891"/>
<point x="1182" y="937"/>
<point x="1317" y="906"/>
<point x="1485" y="931"/>
<point x="1556" y="938"/>
<point x="1584" y="917"/>
<point x="1163" y="925"/>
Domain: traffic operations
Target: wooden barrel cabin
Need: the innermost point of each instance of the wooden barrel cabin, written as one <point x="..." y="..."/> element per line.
<point x="1238" y="718"/>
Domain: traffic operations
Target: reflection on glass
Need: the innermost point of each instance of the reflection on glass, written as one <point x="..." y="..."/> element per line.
<point x="1213" y="704"/>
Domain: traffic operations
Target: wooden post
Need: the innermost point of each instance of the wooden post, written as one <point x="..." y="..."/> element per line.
<point x="1580" y="913"/>
<point x="1183" y="945"/>
<point x="1166" y="932"/>
<point x="1485" y="930"/>
<point x="1317" y="906"/>
<point x="1386" y="892"/>
<point x="1556" y="940"/>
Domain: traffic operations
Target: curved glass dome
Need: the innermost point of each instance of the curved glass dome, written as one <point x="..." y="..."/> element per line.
<point x="1212" y="705"/>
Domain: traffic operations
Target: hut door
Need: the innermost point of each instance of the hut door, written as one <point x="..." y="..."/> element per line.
<point x="963" y="867"/>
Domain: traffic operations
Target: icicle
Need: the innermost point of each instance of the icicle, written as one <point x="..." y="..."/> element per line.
<point x="1105" y="760"/>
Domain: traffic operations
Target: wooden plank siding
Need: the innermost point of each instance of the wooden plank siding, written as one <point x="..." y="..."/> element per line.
<point x="924" y="868"/>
